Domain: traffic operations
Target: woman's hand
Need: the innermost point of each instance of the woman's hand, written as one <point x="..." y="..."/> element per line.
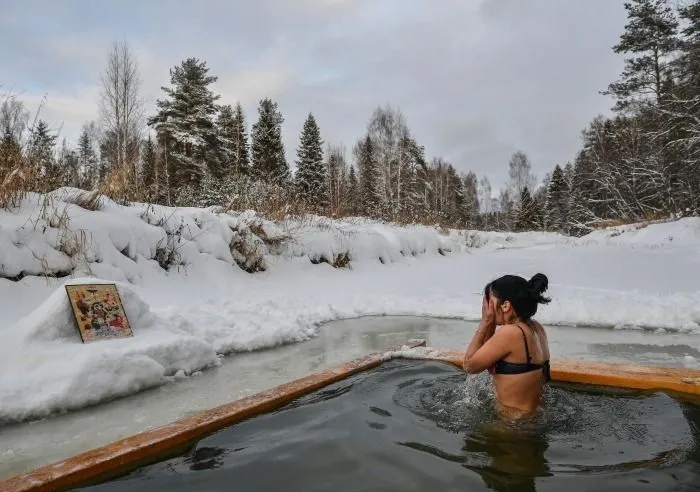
<point x="486" y="330"/>
<point x="488" y="317"/>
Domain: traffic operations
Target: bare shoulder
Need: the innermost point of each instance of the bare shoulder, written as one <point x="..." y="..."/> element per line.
<point x="540" y="328"/>
<point x="510" y="330"/>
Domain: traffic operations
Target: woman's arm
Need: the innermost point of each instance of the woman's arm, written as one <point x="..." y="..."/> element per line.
<point x="486" y="346"/>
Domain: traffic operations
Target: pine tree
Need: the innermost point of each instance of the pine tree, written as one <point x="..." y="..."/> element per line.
<point x="557" y="204"/>
<point x="269" y="160"/>
<point x="370" y="190"/>
<point x="185" y="122"/>
<point x="310" y="177"/>
<point x="650" y="34"/>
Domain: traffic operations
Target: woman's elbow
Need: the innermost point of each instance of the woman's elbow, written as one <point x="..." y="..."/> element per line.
<point x="470" y="368"/>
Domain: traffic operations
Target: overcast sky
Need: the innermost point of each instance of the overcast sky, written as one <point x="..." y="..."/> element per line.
<point x="476" y="79"/>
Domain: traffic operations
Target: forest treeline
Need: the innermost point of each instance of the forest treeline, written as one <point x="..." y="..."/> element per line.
<point x="193" y="150"/>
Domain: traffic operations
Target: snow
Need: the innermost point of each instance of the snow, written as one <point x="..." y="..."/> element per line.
<point x="205" y="307"/>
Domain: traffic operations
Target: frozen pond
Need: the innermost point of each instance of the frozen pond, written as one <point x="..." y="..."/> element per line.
<point x="34" y="444"/>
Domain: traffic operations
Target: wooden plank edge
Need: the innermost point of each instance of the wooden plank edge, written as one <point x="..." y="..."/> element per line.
<point x="677" y="380"/>
<point x="125" y="455"/>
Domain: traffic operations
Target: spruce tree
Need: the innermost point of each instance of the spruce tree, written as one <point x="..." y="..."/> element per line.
<point x="352" y="193"/>
<point x="578" y="206"/>
<point x="42" y="146"/>
<point x="528" y="213"/>
<point x="471" y="200"/>
<point x="148" y="166"/>
<point x="241" y="160"/>
<point x="414" y="187"/>
<point x="557" y="202"/>
<point x="231" y="127"/>
<point x="310" y="177"/>
<point x="650" y="35"/>
<point x="370" y="190"/>
<point x="87" y="161"/>
<point x="225" y="127"/>
<point x="68" y="165"/>
<point x="185" y="122"/>
<point x="269" y="161"/>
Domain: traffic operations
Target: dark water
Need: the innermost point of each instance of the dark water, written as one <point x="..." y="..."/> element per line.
<point x="425" y="426"/>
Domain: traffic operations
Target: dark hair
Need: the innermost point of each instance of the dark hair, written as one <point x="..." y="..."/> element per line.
<point x="523" y="294"/>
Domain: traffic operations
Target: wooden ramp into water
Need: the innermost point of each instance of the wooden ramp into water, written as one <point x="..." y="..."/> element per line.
<point x="139" y="450"/>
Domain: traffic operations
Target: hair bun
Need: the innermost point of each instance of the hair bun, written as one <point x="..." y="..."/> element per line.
<point x="538" y="283"/>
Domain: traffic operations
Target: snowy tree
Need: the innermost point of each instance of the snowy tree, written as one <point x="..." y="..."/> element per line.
<point x="336" y="171"/>
<point x="88" y="162"/>
<point x="185" y="124"/>
<point x="528" y="218"/>
<point x="231" y="127"/>
<point x="241" y="161"/>
<point x="471" y="200"/>
<point x="388" y="130"/>
<point x="414" y="197"/>
<point x="352" y="195"/>
<point x="370" y="190"/>
<point x="212" y="191"/>
<point x="269" y="162"/>
<point x="67" y="163"/>
<point x="519" y="173"/>
<point x="310" y="177"/>
<point x="485" y="194"/>
<point x="149" y="169"/>
<point x="650" y="35"/>
<point x="13" y="119"/>
<point x="42" y="146"/>
<point x="507" y="210"/>
<point x="557" y="204"/>
<point x="226" y="130"/>
<point x="121" y="106"/>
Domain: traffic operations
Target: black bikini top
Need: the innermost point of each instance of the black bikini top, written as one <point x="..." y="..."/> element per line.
<point x="503" y="367"/>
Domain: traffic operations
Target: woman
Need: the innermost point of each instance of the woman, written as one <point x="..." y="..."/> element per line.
<point x="517" y="354"/>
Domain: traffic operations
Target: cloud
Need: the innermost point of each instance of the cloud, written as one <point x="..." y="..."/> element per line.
<point x="476" y="79"/>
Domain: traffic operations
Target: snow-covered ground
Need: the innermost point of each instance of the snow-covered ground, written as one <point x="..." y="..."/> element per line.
<point x="206" y="306"/>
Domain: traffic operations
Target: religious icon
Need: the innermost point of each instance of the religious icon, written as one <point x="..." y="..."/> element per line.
<point x="98" y="311"/>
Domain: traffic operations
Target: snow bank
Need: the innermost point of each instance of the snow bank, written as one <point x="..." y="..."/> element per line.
<point x="56" y="235"/>
<point x="46" y="368"/>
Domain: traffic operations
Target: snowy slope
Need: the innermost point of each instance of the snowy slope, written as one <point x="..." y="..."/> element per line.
<point x="207" y="306"/>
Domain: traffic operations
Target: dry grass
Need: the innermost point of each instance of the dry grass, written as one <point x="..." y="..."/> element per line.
<point x="88" y="200"/>
<point x="121" y="185"/>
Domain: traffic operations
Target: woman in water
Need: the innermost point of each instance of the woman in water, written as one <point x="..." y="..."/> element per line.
<point x="517" y="354"/>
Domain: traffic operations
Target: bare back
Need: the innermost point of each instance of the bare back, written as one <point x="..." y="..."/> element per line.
<point x="522" y="393"/>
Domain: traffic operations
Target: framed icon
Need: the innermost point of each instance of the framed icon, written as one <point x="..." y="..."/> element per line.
<point x="98" y="312"/>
